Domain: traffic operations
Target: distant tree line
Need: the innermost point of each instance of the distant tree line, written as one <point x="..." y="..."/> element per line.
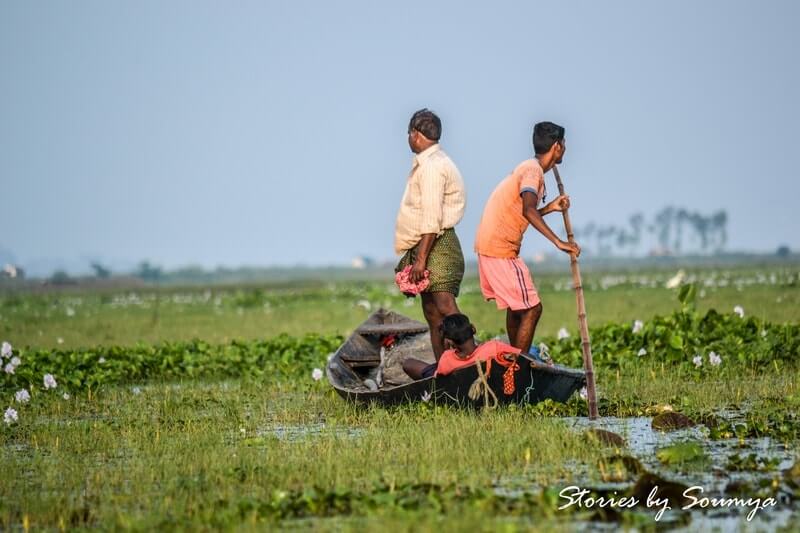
<point x="672" y="230"/>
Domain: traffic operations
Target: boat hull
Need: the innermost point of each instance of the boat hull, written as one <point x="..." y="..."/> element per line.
<point x="359" y="355"/>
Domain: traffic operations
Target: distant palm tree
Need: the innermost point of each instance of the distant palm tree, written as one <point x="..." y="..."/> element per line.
<point x="681" y="216"/>
<point x="636" y="222"/>
<point x="663" y="225"/>
<point x="719" y="223"/>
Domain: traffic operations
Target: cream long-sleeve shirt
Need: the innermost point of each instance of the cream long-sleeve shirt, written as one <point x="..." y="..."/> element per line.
<point x="434" y="199"/>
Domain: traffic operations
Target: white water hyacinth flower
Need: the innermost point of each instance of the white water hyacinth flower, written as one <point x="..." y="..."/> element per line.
<point x="641" y="352"/>
<point x="698" y="361"/>
<point x="316" y="374"/>
<point x="60" y="340"/>
<point x="739" y="310"/>
<point x="22" y="396"/>
<point x="714" y="359"/>
<point x="676" y="280"/>
<point x="136" y="390"/>
<point x="15" y="361"/>
<point x="584" y="394"/>
<point x="65" y="396"/>
<point x="426" y="396"/>
<point x="563" y="333"/>
<point x="638" y="325"/>
<point x="9" y="368"/>
<point x="10" y="416"/>
<point x="330" y="356"/>
<point x="6" y="349"/>
<point x="101" y="360"/>
<point x="49" y="381"/>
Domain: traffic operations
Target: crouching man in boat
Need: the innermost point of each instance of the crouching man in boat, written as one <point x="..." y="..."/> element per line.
<point x="462" y="350"/>
<point x="504" y="277"/>
<point x="433" y="203"/>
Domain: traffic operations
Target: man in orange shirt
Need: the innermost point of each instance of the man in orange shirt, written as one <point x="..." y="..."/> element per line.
<point x="504" y="276"/>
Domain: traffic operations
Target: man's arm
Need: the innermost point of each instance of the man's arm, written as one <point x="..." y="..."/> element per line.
<point x="421" y="261"/>
<point x="432" y="184"/>
<point x="559" y="204"/>
<point x="533" y="216"/>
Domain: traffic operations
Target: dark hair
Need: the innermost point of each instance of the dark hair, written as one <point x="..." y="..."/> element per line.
<point x="457" y="328"/>
<point x="545" y="135"/>
<point x="427" y="123"/>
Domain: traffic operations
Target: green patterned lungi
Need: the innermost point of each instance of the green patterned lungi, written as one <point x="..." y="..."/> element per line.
<point x="445" y="263"/>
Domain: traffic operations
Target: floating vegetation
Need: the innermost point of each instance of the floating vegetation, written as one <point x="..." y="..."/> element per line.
<point x="682" y="454"/>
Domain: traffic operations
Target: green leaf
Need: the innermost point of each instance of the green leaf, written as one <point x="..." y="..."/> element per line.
<point x="676" y="341"/>
<point x="687" y="295"/>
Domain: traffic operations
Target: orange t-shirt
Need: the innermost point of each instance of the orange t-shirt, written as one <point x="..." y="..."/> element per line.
<point x="502" y="224"/>
<point x="450" y="362"/>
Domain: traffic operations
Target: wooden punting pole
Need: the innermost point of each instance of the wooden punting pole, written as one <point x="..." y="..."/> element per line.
<point x="582" y="323"/>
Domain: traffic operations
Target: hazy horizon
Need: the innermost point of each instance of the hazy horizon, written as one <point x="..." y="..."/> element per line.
<point x="258" y="133"/>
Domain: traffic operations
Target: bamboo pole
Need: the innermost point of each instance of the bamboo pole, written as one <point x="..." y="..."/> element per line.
<point x="582" y="323"/>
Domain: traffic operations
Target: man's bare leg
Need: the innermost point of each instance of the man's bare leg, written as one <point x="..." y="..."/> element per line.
<point x="512" y="325"/>
<point x="436" y="306"/>
<point x="525" y="321"/>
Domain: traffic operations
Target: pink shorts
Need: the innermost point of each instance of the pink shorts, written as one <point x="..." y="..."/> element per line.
<point x="508" y="282"/>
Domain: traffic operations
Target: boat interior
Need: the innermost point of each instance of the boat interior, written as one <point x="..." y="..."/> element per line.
<point x="372" y="357"/>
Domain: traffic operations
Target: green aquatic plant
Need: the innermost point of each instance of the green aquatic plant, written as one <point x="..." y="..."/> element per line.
<point x="682" y="454"/>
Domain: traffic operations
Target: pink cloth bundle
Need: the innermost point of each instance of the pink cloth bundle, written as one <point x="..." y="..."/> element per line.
<point x="406" y="286"/>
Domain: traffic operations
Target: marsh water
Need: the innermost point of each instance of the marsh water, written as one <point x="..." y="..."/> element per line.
<point x="712" y="473"/>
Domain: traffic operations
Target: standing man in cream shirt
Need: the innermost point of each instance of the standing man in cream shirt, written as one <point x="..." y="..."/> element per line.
<point x="433" y="203"/>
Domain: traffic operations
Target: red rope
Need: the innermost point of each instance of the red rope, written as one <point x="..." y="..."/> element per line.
<point x="508" y="376"/>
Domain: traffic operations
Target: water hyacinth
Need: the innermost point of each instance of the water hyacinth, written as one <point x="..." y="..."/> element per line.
<point x="714" y="359"/>
<point x="316" y="374"/>
<point x="49" y="381"/>
<point x="10" y="416"/>
<point x="6" y="349"/>
<point x="9" y="368"/>
<point x="638" y="325"/>
<point x="641" y="352"/>
<point x="101" y="360"/>
<point x="739" y="310"/>
<point x="136" y="390"/>
<point x="563" y="333"/>
<point x="65" y="396"/>
<point x="15" y="361"/>
<point x="22" y="396"/>
<point x="584" y="394"/>
<point x="698" y="361"/>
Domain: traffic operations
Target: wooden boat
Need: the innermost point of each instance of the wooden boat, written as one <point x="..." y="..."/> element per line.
<point x="368" y="368"/>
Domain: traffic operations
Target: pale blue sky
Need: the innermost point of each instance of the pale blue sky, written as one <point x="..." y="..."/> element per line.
<point x="275" y="133"/>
